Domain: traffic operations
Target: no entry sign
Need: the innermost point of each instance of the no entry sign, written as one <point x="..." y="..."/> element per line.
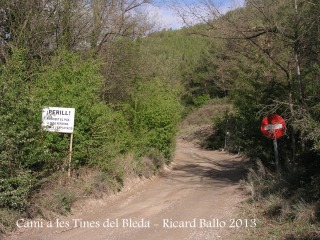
<point x="273" y="126"/>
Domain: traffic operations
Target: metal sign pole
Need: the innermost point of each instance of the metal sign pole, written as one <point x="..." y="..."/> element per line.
<point x="274" y="126"/>
<point x="70" y="155"/>
<point x="276" y="153"/>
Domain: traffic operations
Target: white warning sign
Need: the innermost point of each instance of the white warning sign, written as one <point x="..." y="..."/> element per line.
<point x="57" y="119"/>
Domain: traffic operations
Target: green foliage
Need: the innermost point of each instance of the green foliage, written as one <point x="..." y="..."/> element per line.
<point x="62" y="201"/>
<point x="204" y="80"/>
<point x="8" y="219"/>
<point x="156" y="113"/>
<point x="70" y="81"/>
<point x="227" y="134"/>
<point x="20" y="134"/>
<point x="172" y="56"/>
<point x="111" y="138"/>
<point x="18" y="130"/>
<point x="126" y="100"/>
<point x="201" y="100"/>
<point x="269" y="64"/>
<point x="15" y="191"/>
<point x="120" y="68"/>
<point x="103" y="133"/>
<point x="287" y="209"/>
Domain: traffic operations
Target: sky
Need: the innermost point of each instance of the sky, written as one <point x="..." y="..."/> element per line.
<point x="168" y="18"/>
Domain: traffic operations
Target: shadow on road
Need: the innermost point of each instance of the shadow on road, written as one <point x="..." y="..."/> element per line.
<point x="208" y="171"/>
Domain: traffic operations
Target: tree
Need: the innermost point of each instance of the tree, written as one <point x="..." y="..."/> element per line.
<point x="271" y="50"/>
<point x="111" y="19"/>
<point x="42" y="27"/>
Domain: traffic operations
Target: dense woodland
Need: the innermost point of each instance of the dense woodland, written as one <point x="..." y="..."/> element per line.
<point x="132" y="84"/>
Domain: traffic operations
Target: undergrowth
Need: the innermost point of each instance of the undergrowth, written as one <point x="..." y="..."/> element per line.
<point x="198" y="127"/>
<point x="280" y="212"/>
<point x="284" y="208"/>
<point x="58" y="194"/>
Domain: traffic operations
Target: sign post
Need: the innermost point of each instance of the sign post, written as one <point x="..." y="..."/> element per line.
<point x="70" y="155"/>
<point x="276" y="154"/>
<point x="273" y="127"/>
<point x="57" y="119"/>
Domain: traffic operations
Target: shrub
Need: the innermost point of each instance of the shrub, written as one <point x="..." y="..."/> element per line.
<point x="15" y="191"/>
<point x="201" y="100"/>
<point x="260" y="181"/>
<point x="156" y="113"/>
<point x="226" y="131"/>
<point x="111" y="137"/>
<point x="20" y="135"/>
<point x="8" y="219"/>
<point x="70" y="81"/>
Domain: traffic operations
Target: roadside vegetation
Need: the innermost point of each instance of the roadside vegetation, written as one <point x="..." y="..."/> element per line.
<point x="132" y="85"/>
<point x="126" y="117"/>
<point x="111" y="141"/>
<point x="264" y="59"/>
<point x="126" y="89"/>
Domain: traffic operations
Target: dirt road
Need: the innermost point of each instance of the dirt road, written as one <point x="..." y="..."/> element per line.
<point x="195" y="198"/>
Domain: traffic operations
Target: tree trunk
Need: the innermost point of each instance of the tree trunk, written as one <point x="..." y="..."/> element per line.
<point x="296" y="49"/>
<point x="66" y="24"/>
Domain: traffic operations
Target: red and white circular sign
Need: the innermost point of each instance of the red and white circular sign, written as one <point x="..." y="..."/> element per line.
<point x="273" y="126"/>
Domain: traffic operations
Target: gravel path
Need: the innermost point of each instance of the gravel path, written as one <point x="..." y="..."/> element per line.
<point x="195" y="198"/>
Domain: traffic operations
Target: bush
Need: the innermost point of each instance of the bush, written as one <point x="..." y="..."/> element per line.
<point x="115" y="140"/>
<point x="17" y="122"/>
<point x="226" y="131"/>
<point x="261" y="182"/>
<point x="8" y="219"/>
<point x="20" y="134"/>
<point x="15" y="191"/>
<point x="155" y="113"/>
<point x="70" y="81"/>
<point x="111" y="137"/>
<point x="201" y="100"/>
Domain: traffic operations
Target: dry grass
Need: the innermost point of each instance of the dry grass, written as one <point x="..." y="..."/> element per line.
<point x="260" y="181"/>
<point x="197" y="126"/>
<point x="306" y="212"/>
<point x="205" y="114"/>
<point x="278" y="215"/>
<point x="59" y="195"/>
<point x="274" y="228"/>
<point x="7" y="218"/>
